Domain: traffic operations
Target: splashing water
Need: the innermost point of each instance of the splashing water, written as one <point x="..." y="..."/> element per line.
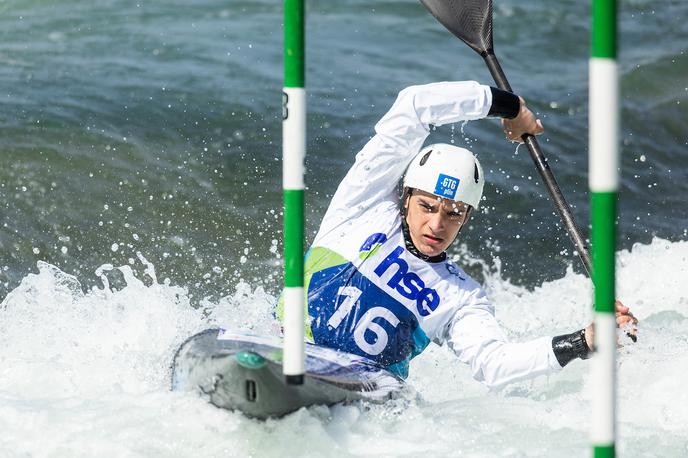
<point x="88" y="373"/>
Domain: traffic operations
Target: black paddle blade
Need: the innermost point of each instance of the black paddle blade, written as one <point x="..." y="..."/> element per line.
<point x="469" y="20"/>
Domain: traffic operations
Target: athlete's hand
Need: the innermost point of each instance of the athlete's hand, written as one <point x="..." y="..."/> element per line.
<point x="524" y="123"/>
<point x="624" y="320"/>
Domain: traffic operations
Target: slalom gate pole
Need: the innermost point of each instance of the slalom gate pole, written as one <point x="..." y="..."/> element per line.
<point x="293" y="154"/>
<point x="604" y="177"/>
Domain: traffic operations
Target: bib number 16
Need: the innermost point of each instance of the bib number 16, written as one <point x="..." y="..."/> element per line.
<point x="366" y="323"/>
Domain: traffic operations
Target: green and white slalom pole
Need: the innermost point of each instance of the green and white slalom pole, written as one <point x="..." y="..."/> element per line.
<point x="293" y="154"/>
<point x="604" y="178"/>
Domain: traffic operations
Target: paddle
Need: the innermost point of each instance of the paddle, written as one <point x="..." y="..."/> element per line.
<point x="471" y="21"/>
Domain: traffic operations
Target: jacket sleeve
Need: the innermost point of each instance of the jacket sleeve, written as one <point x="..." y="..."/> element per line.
<point x="399" y="135"/>
<point x="477" y="340"/>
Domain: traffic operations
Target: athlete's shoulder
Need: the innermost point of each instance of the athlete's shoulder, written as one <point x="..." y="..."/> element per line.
<point x="468" y="290"/>
<point x="457" y="275"/>
<point x="358" y="223"/>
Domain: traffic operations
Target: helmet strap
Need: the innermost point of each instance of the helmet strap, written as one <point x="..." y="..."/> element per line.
<point x="405" y="196"/>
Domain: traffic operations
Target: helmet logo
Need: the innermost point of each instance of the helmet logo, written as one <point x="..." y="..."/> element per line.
<point x="446" y="186"/>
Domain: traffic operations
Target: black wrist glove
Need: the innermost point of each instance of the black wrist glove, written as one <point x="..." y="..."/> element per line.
<point x="570" y="346"/>
<point x="504" y="104"/>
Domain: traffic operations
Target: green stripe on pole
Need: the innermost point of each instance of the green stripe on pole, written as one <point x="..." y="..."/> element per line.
<point x="604" y="451"/>
<point x="293" y="43"/>
<point x="603" y="240"/>
<point x="293" y="237"/>
<point x="604" y="28"/>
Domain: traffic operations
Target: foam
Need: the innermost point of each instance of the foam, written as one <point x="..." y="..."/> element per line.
<point x="87" y="374"/>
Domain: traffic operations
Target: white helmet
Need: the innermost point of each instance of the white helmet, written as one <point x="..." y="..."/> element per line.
<point x="447" y="171"/>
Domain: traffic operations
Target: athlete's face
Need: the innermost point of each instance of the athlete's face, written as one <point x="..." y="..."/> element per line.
<point x="433" y="222"/>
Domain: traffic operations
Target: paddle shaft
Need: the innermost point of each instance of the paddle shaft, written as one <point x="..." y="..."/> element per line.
<point x="545" y="172"/>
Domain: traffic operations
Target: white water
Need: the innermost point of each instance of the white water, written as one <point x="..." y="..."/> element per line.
<point x="85" y="375"/>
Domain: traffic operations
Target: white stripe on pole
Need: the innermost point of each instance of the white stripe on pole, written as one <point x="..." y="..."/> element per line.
<point x="294" y="134"/>
<point x="293" y="331"/>
<point x="602" y="379"/>
<point x="604" y="125"/>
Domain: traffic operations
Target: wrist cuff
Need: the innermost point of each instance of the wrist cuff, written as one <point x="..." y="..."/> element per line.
<point x="504" y="104"/>
<point x="570" y="346"/>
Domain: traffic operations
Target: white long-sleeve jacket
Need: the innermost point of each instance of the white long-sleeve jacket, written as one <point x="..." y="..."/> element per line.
<point x="368" y="295"/>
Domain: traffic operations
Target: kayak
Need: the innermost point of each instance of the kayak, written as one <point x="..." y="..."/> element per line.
<point x="243" y="372"/>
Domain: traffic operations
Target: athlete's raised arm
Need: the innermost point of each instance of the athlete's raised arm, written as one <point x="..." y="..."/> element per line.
<point x="400" y="134"/>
